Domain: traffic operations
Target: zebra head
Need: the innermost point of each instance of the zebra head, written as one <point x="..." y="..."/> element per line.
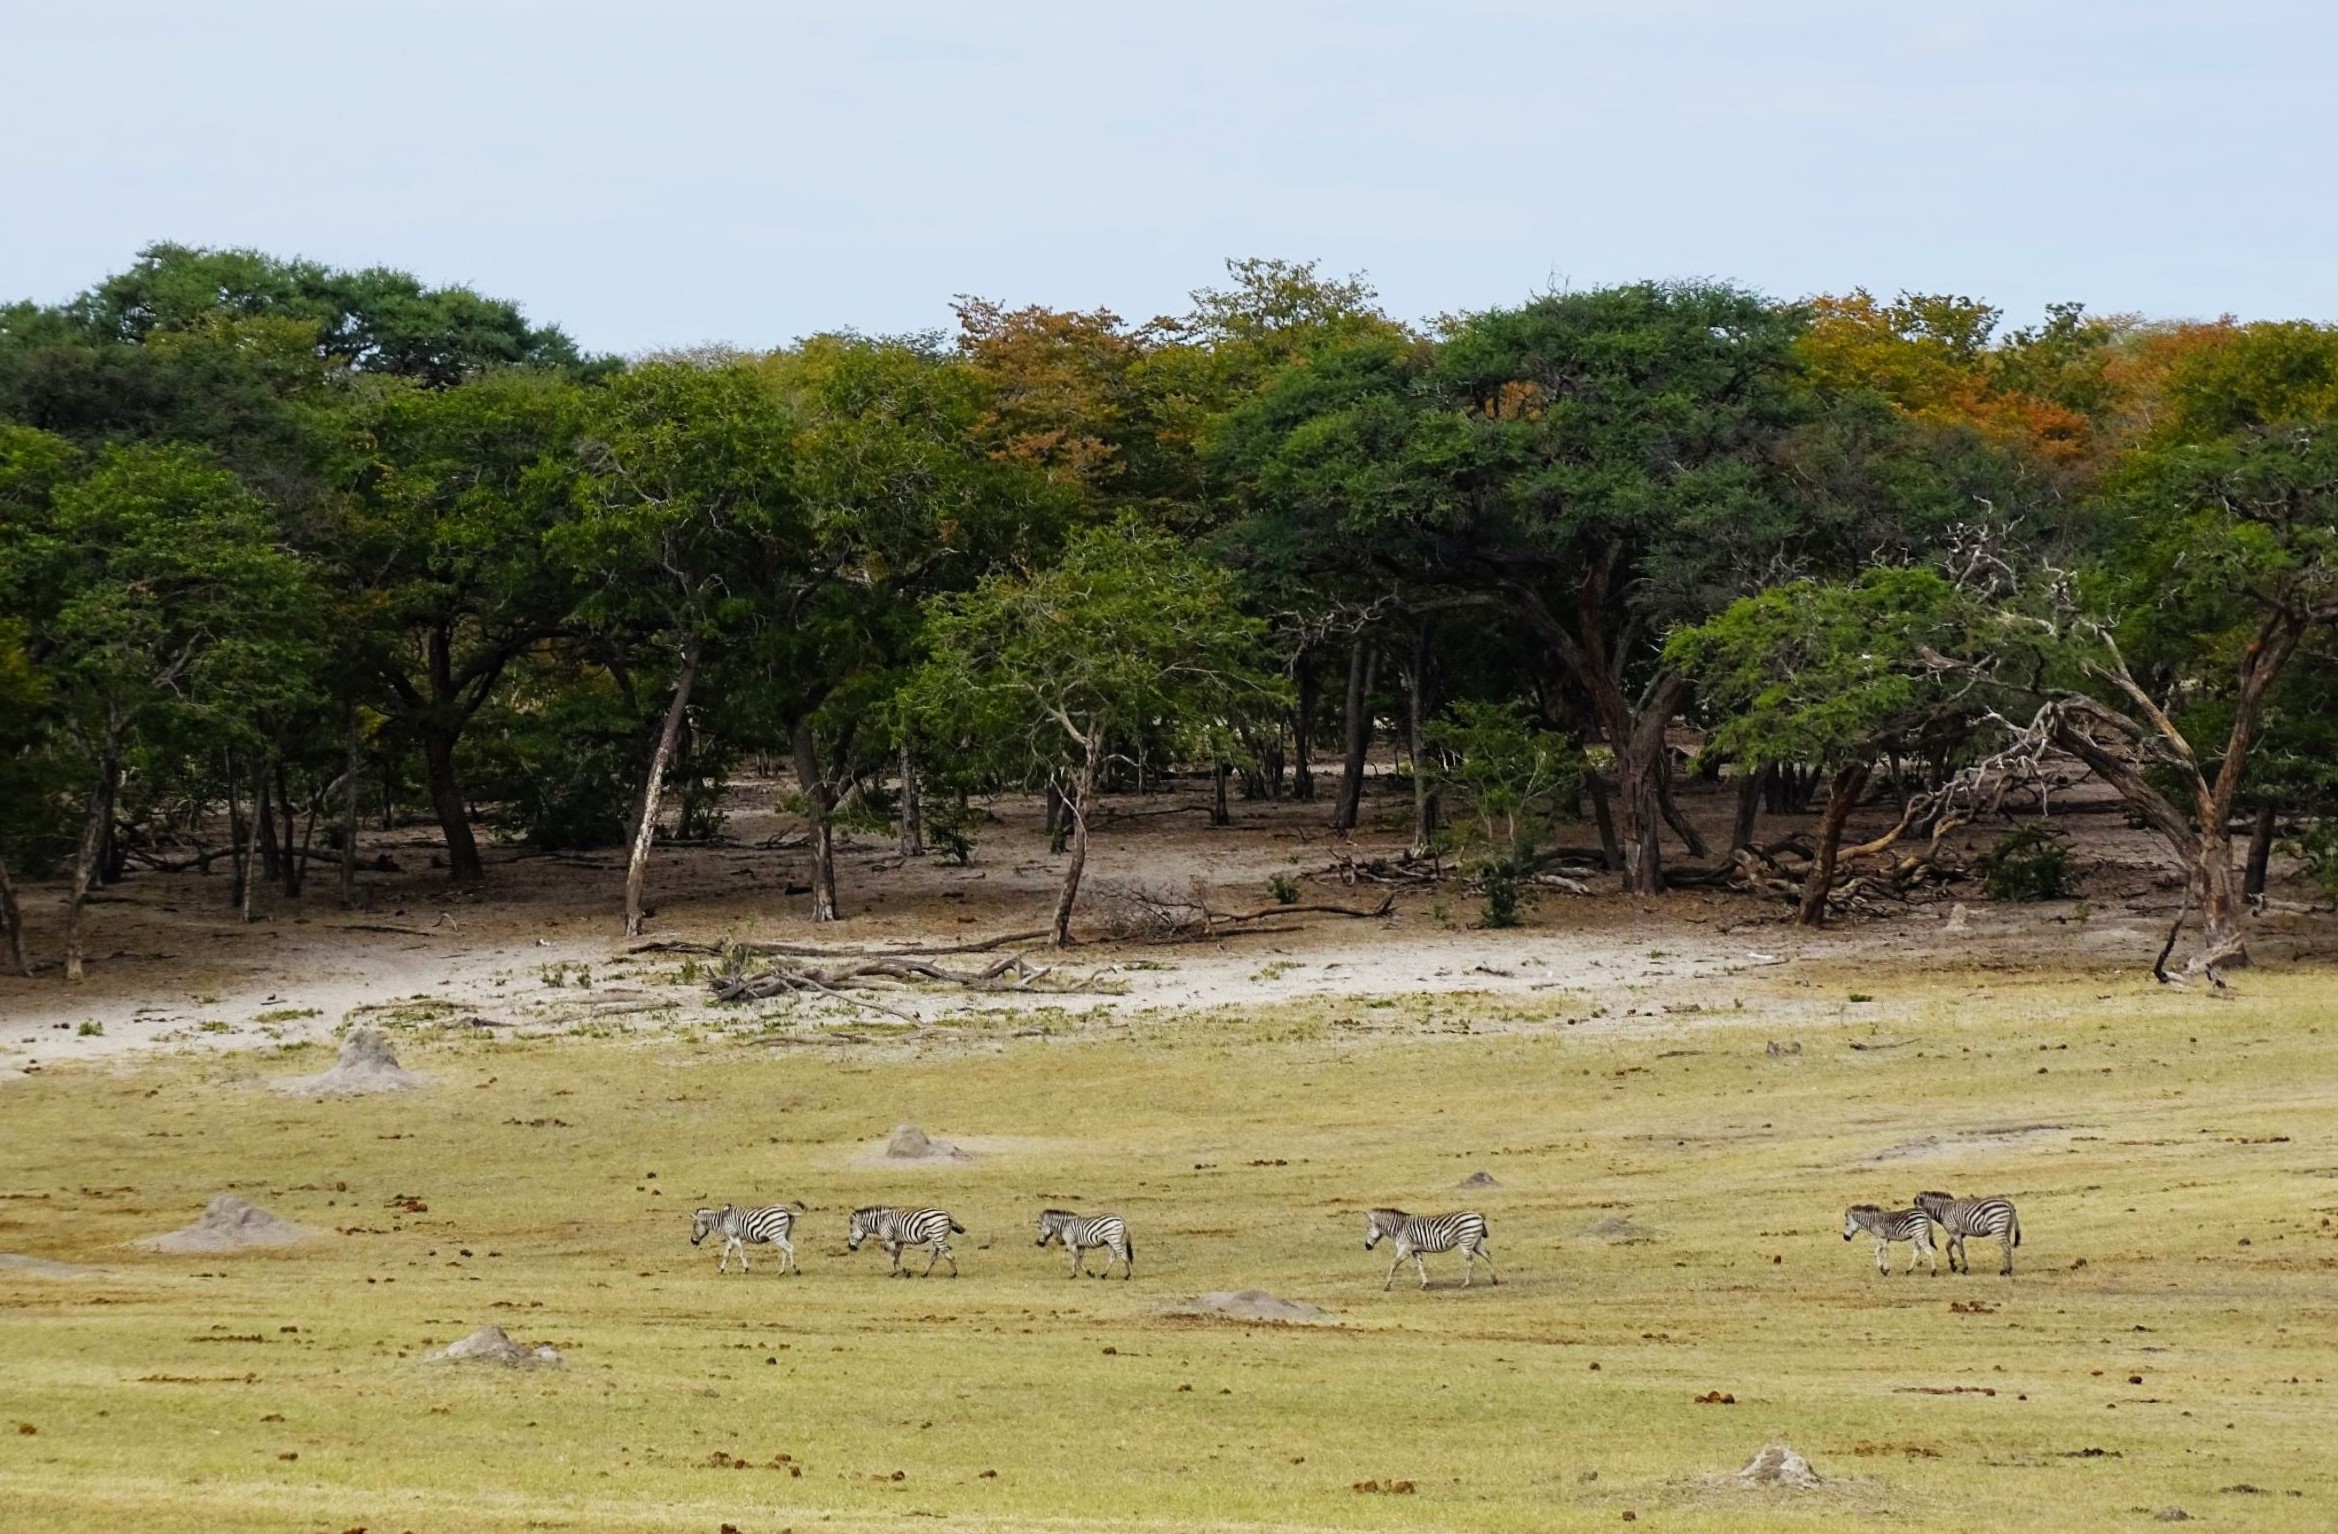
<point x="705" y="1222"/>
<point x="1381" y="1222"/>
<point x="1934" y="1204"/>
<point x="1860" y="1217"/>
<point x="1052" y="1222"/>
<point x="864" y="1225"/>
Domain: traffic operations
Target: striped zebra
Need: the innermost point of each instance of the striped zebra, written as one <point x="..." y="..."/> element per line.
<point x="894" y="1229"/>
<point x="1413" y="1234"/>
<point x="1888" y="1225"/>
<point x="1962" y="1217"/>
<point x="1084" y="1233"/>
<point x="741" y="1228"/>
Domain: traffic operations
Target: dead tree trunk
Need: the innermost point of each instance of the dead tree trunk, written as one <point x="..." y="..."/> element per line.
<point x="239" y="868"/>
<point x="93" y="835"/>
<point x="264" y="817"/>
<point x="290" y="865"/>
<point x="1363" y="661"/>
<point x="1417" y="743"/>
<point x="819" y="801"/>
<point x="1603" y="816"/>
<point x="1077" y="804"/>
<point x="645" y="829"/>
<point x="12" y="923"/>
<point x="1221" y="813"/>
<point x="2260" y="851"/>
<point x="1842" y="798"/>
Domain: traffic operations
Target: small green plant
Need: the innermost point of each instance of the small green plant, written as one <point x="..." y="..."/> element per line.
<point x="1860" y="996"/>
<point x="286" y="1014"/>
<point x="2029" y="862"/>
<point x="1284" y="888"/>
<point x="1501" y="885"/>
<point x="91" y="1029"/>
<point x="1441" y="913"/>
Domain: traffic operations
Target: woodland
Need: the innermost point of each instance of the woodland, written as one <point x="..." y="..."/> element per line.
<point x="288" y="552"/>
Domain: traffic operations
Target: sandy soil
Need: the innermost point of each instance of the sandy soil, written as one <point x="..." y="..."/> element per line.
<point x="538" y="948"/>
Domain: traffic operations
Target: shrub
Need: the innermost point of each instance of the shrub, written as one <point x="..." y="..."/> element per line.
<point x="1284" y="888"/>
<point x="2029" y="862"/>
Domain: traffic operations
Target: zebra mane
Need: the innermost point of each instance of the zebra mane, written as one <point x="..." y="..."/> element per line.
<point x="1049" y="1214"/>
<point x="1864" y="1209"/>
<point x="1946" y="1198"/>
<point x="1398" y="1213"/>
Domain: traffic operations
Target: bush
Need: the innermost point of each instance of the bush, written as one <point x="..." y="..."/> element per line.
<point x="1501" y="884"/>
<point x="1284" y="888"/>
<point x="2029" y="862"/>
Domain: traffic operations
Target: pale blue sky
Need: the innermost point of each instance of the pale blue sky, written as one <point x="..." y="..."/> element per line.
<point x="663" y="174"/>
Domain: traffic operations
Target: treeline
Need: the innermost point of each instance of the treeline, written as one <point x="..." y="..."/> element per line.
<point x="285" y="549"/>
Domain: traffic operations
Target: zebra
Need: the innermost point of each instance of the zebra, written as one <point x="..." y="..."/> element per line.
<point x="1888" y="1225"/>
<point x="740" y="1228"/>
<point x="1962" y="1217"/>
<point x="1413" y="1234"/>
<point x="1081" y="1234"/>
<point x="894" y="1229"/>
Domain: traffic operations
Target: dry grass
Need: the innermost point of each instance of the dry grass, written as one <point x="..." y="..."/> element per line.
<point x="2177" y="1222"/>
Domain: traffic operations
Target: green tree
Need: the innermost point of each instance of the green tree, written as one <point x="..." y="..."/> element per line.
<point x="1835" y="675"/>
<point x="156" y="595"/>
<point x="1045" y="672"/>
<point x="688" y="524"/>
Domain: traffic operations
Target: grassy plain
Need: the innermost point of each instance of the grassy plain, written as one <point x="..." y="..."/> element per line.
<point x="1667" y="1227"/>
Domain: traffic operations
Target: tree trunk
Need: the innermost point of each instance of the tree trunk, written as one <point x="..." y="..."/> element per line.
<point x="1416" y="743"/>
<point x="1059" y="824"/>
<point x="2221" y="944"/>
<point x="1842" y="798"/>
<point x="1750" y="787"/>
<point x="1603" y="815"/>
<point x="819" y="799"/>
<point x="349" y="790"/>
<point x="1363" y="660"/>
<point x="252" y="872"/>
<point x="1303" y="728"/>
<point x="264" y="813"/>
<point x="1682" y="826"/>
<point x="93" y="831"/>
<point x="1081" y="800"/>
<point x="446" y="802"/>
<point x="237" y="862"/>
<point x="12" y="923"/>
<point x="2260" y="850"/>
<point x="1640" y="768"/>
<point x="1221" y="813"/>
<point x="912" y="812"/>
<point x="645" y="829"/>
<point x="290" y="864"/>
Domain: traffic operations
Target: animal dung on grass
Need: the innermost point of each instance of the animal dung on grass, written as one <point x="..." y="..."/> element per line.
<point x="366" y="1066"/>
<point x="1250" y="1305"/>
<point x="489" y="1345"/>
<point x="1778" y="1465"/>
<point x="910" y="1143"/>
<point x="229" y="1224"/>
<point x="1478" y="1179"/>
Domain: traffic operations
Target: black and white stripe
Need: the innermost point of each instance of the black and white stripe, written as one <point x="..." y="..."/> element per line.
<point x="894" y="1229"/>
<point x="1913" y="1226"/>
<point x="1413" y="1234"/>
<point x="1961" y="1217"/>
<point x="1084" y="1233"/>
<point x="742" y="1228"/>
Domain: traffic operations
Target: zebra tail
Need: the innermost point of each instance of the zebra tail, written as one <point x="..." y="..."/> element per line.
<point x="957" y="1229"/>
<point x="2017" y="1230"/>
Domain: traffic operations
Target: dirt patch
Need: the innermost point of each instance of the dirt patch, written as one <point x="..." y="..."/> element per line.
<point x="366" y="1065"/>
<point x="1778" y="1465"/>
<point x="1477" y="1180"/>
<point x="45" y="1267"/>
<point x="1620" y="1230"/>
<point x="229" y="1224"/>
<point x="1250" y="1305"/>
<point x="489" y="1345"/>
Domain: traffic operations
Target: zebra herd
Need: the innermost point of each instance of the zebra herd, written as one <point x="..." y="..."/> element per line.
<point x="896" y="1230"/>
<point x="1957" y="1218"/>
<point x="1410" y="1236"/>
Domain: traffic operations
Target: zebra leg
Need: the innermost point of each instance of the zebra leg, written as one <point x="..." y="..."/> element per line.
<point x="1422" y="1268"/>
<point x="2006" y="1243"/>
<point x="1392" y="1267"/>
<point x="1078" y="1257"/>
<point x="1883" y="1257"/>
<point x="1128" y="1265"/>
<point x="942" y="1250"/>
<point x="893" y="1250"/>
<point x="1488" y="1258"/>
<point x="787" y="1255"/>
